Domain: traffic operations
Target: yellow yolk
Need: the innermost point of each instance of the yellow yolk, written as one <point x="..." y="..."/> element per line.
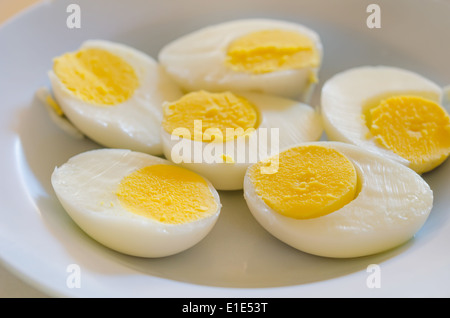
<point x="271" y="50"/>
<point x="54" y="105"/>
<point x="210" y="116"/>
<point x="414" y="128"/>
<point x="168" y="194"/>
<point x="96" y="76"/>
<point x="311" y="181"/>
<point x="227" y="159"/>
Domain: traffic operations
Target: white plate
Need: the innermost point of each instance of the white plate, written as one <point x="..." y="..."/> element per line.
<point x="38" y="241"/>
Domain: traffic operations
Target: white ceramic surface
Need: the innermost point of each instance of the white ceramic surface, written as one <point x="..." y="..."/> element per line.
<point x="39" y="242"/>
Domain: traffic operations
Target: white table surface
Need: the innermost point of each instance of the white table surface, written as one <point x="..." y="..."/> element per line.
<point x="12" y="286"/>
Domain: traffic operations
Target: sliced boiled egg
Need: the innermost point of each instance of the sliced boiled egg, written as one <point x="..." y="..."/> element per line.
<point x="338" y="200"/>
<point x="56" y="114"/>
<point x="258" y="55"/>
<point x="218" y="135"/>
<point x="112" y="93"/>
<point x="392" y="111"/>
<point x="136" y="203"/>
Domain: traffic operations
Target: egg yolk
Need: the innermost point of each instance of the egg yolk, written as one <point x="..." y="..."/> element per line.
<point x="209" y="116"/>
<point x="54" y="105"/>
<point x="271" y="50"/>
<point x="168" y="194"/>
<point x="96" y="76"/>
<point x="311" y="181"/>
<point x="414" y="128"/>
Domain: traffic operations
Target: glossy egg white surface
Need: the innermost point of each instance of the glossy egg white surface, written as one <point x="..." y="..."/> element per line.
<point x="344" y="96"/>
<point x="196" y="61"/>
<point x="132" y="124"/>
<point x="282" y="123"/>
<point x="86" y="187"/>
<point x="39" y="240"/>
<point x="391" y="206"/>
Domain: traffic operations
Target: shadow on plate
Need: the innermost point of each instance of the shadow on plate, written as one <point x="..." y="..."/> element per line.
<point x="238" y="253"/>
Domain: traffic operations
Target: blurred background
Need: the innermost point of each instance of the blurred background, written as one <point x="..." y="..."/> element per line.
<point x="9" y="8"/>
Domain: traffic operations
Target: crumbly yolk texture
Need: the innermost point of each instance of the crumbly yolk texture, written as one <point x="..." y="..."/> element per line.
<point x="210" y="116"/>
<point x="96" y="76"/>
<point x="311" y="181"/>
<point x="168" y="194"/>
<point x="272" y="50"/>
<point x="414" y="128"/>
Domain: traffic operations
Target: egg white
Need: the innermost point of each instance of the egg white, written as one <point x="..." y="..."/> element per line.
<point x="285" y="121"/>
<point x="133" y="124"/>
<point x="197" y="61"/>
<point x="86" y="187"/>
<point x="43" y="93"/>
<point x="391" y="206"/>
<point x="345" y="94"/>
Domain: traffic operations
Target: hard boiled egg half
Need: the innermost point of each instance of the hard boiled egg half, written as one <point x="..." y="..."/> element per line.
<point x="218" y="135"/>
<point x="135" y="203"/>
<point x="113" y="93"/>
<point x="259" y="55"/>
<point x="394" y="112"/>
<point x="338" y="200"/>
